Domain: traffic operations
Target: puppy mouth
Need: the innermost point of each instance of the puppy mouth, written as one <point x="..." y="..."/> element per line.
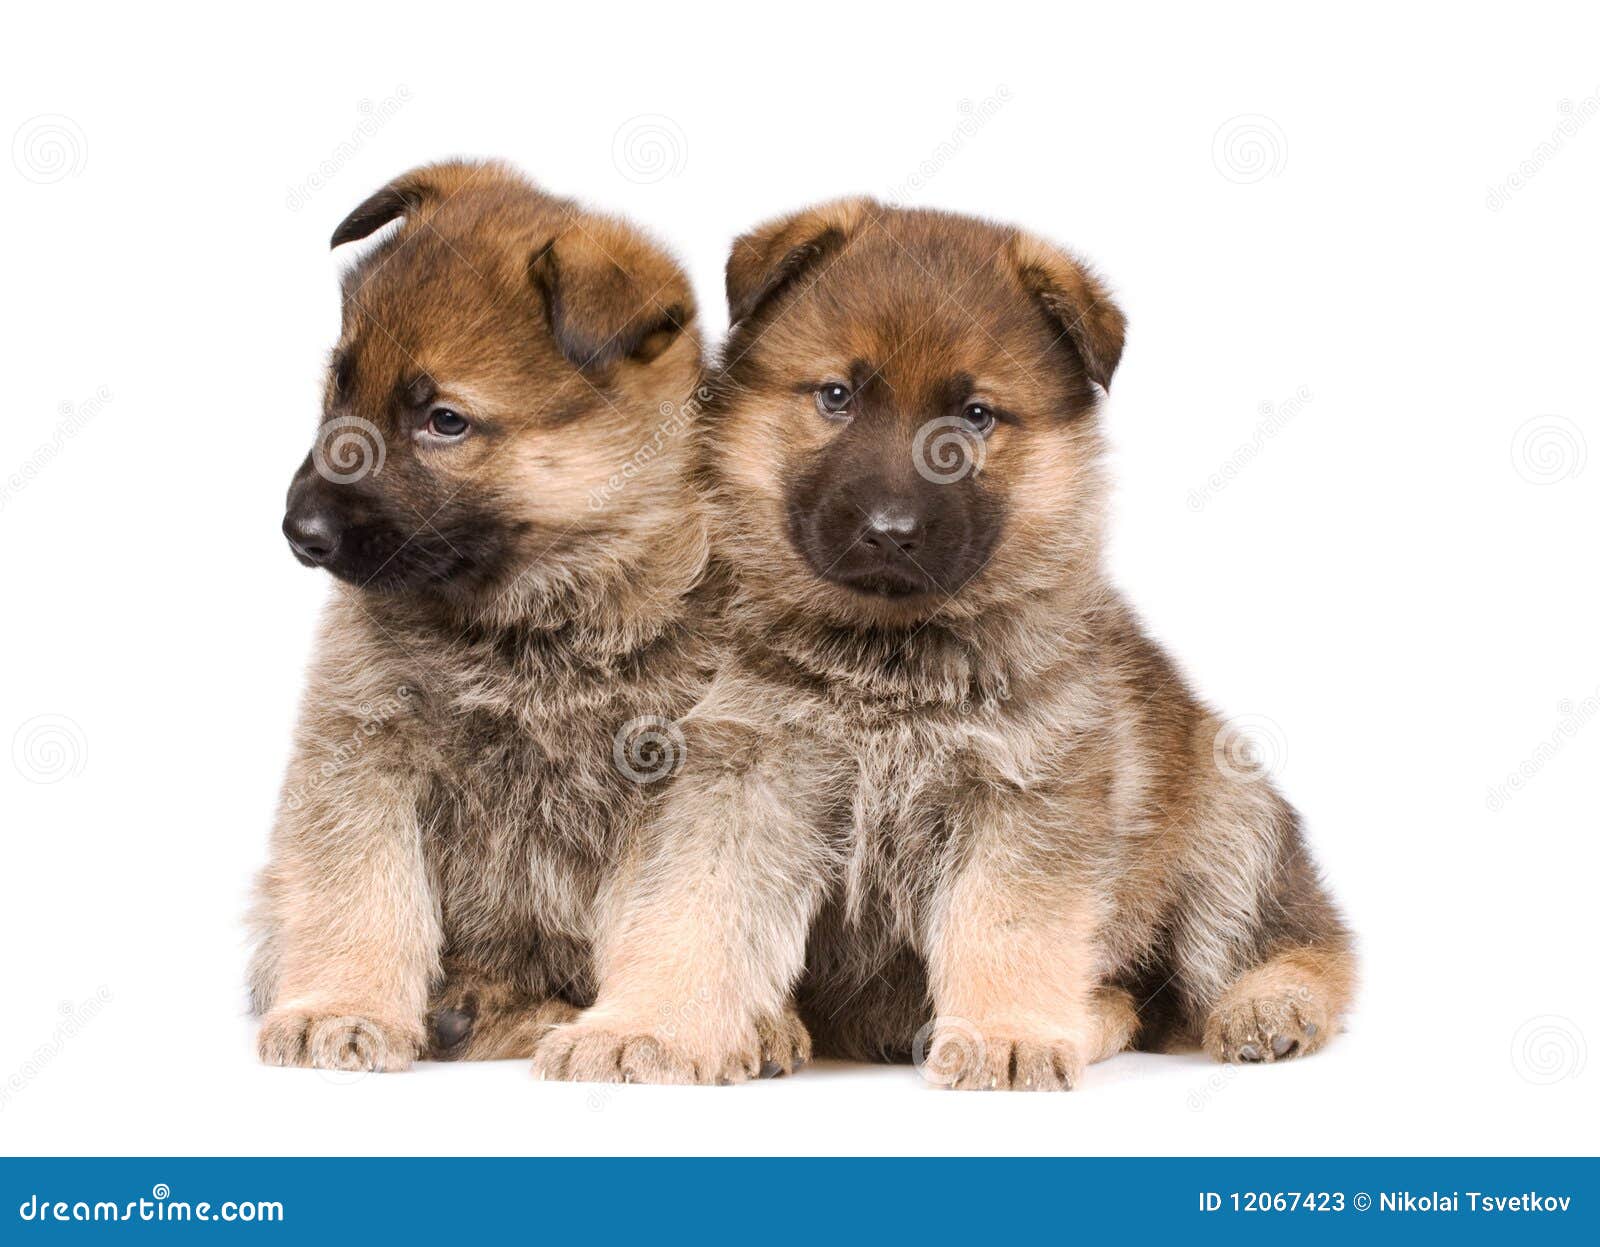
<point x="894" y="579"/>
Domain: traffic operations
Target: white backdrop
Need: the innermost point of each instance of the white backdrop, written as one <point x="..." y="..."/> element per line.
<point x="1351" y="434"/>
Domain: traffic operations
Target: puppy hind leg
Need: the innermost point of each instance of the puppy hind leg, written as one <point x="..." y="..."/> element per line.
<point x="1287" y="1006"/>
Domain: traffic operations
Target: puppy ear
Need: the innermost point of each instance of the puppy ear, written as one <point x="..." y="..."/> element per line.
<point x="409" y="192"/>
<point x="769" y="259"/>
<point x="610" y="294"/>
<point x="1076" y="302"/>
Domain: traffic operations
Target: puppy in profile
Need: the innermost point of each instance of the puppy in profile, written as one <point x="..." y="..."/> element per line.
<point x="499" y="489"/>
<point x="943" y="791"/>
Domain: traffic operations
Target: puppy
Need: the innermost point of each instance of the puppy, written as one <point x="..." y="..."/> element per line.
<point x="943" y="789"/>
<point x="499" y="488"/>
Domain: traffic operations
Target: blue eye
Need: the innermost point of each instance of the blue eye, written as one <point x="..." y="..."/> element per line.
<point x="833" y="398"/>
<point x="442" y="422"/>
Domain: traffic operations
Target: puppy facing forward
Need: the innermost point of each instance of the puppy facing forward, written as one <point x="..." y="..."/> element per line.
<point x="499" y="489"/>
<point x="943" y="790"/>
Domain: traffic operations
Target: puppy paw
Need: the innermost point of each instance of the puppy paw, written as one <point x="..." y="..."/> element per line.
<point x="785" y="1044"/>
<point x="476" y="1021"/>
<point x="606" y="1051"/>
<point x="1253" y="1025"/>
<point x="964" y="1057"/>
<point x="325" y="1039"/>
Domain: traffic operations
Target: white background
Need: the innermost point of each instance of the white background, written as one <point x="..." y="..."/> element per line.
<point x="1394" y="584"/>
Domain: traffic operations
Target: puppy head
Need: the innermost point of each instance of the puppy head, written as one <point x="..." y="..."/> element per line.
<point x="902" y="423"/>
<point x="502" y="353"/>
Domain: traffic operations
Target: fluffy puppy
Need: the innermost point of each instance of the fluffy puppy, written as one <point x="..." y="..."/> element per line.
<point x="942" y="788"/>
<point x="499" y="488"/>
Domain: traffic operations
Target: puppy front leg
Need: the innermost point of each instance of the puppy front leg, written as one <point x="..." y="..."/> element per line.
<point x="707" y="941"/>
<point x="350" y="932"/>
<point x="1012" y="969"/>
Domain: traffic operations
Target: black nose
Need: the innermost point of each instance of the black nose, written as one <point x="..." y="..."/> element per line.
<point x="313" y="534"/>
<point x="893" y="530"/>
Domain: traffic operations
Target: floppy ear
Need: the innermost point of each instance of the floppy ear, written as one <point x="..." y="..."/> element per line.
<point x="610" y="294"/>
<point x="769" y="259"/>
<point x="1075" y="301"/>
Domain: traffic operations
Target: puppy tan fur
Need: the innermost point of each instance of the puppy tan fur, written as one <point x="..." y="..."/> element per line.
<point x="500" y="488"/>
<point x="943" y="791"/>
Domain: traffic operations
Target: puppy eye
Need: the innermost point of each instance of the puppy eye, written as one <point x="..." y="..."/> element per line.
<point x="833" y="398"/>
<point x="980" y="416"/>
<point x="443" y="422"/>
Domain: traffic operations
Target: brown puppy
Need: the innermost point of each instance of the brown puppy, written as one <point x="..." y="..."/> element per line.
<point x="942" y="787"/>
<point x="499" y="487"/>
